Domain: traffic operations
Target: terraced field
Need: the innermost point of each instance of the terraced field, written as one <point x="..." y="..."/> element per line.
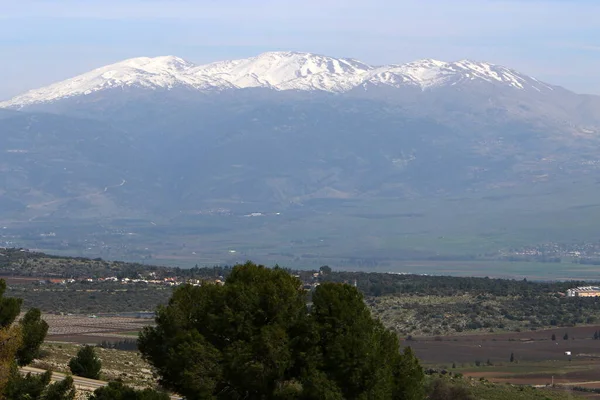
<point x="88" y="329"/>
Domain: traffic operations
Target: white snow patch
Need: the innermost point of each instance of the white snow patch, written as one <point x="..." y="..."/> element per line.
<point x="277" y="71"/>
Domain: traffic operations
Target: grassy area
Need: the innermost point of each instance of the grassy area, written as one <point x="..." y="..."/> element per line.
<point x="524" y="370"/>
<point x="116" y="364"/>
<point x="443" y="315"/>
<point x="482" y="389"/>
<point x="491" y="391"/>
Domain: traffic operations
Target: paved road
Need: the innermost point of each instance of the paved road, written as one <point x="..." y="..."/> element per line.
<point x="79" y="382"/>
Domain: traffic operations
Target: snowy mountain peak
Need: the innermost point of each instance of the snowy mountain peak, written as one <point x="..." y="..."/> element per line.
<point x="278" y="70"/>
<point x="156" y="63"/>
<point x="289" y="70"/>
<point x="428" y="63"/>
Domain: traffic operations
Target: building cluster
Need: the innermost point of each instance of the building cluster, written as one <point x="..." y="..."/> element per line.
<point x="584" y="291"/>
<point x="171" y="281"/>
<point x="553" y="249"/>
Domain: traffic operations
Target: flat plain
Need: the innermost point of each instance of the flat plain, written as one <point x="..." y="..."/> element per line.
<point x="537" y="360"/>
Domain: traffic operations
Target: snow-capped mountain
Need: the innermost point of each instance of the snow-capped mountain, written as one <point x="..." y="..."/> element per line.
<point x="161" y="139"/>
<point x="275" y="70"/>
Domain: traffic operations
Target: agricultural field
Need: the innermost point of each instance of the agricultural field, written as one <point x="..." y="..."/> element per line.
<point x="483" y="389"/>
<point x="93" y="329"/>
<point x="89" y="299"/>
<point x="537" y="360"/>
<point x="66" y="334"/>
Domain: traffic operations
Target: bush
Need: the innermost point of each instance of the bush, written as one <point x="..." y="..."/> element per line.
<point x="116" y="390"/>
<point x="86" y="364"/>
<point x="442" y="390"/>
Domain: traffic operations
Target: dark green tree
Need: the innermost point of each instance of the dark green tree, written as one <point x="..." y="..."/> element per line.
<point x="358" y="353"/>
<point x="409" y="377"/>
<point x="116" y="390"/>
<point x="325" y="270"/>
<point x="38" y="387"/>
<point x="61" y="390"/>
<point x="86" y="363"/>
<point x="33" y="330"/>
<point x="9" y="307"/>
<point x="255" y="338"/>
<point x="26" y="387"/>
<point x="236" y="339"/>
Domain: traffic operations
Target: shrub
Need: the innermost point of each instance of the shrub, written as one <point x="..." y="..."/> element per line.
<point x="86" y="363"/>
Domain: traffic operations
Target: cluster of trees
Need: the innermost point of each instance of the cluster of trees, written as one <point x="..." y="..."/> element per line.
<point x="20" y="344"/>
<point x="256" y="337"/>
<point x="23" y="339"/>
<point x="379" y="284"/>
<point x="36" y="387"/>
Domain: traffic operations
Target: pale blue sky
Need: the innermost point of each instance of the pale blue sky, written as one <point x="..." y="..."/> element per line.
<point x="48" y="40"/>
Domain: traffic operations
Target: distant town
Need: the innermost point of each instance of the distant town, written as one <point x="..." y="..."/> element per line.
<point x="310" y="280"/>
<point x="554" y="251"/>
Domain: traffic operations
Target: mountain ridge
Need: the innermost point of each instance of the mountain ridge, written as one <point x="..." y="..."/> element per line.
<point x="277" y="71"/>
<point x="387" y="160"/>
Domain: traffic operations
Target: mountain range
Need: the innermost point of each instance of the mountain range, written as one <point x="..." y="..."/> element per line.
<point x="278" y="71"/>
<point x="152" y="139"/>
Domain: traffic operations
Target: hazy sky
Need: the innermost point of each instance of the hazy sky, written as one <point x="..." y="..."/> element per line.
<point x="48" y="40"/>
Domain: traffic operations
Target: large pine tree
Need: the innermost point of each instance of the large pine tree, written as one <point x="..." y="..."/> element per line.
<point x="256" y="338"/>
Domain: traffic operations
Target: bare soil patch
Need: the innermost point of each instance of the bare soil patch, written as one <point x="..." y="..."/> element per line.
<point x="85" y="329"/>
